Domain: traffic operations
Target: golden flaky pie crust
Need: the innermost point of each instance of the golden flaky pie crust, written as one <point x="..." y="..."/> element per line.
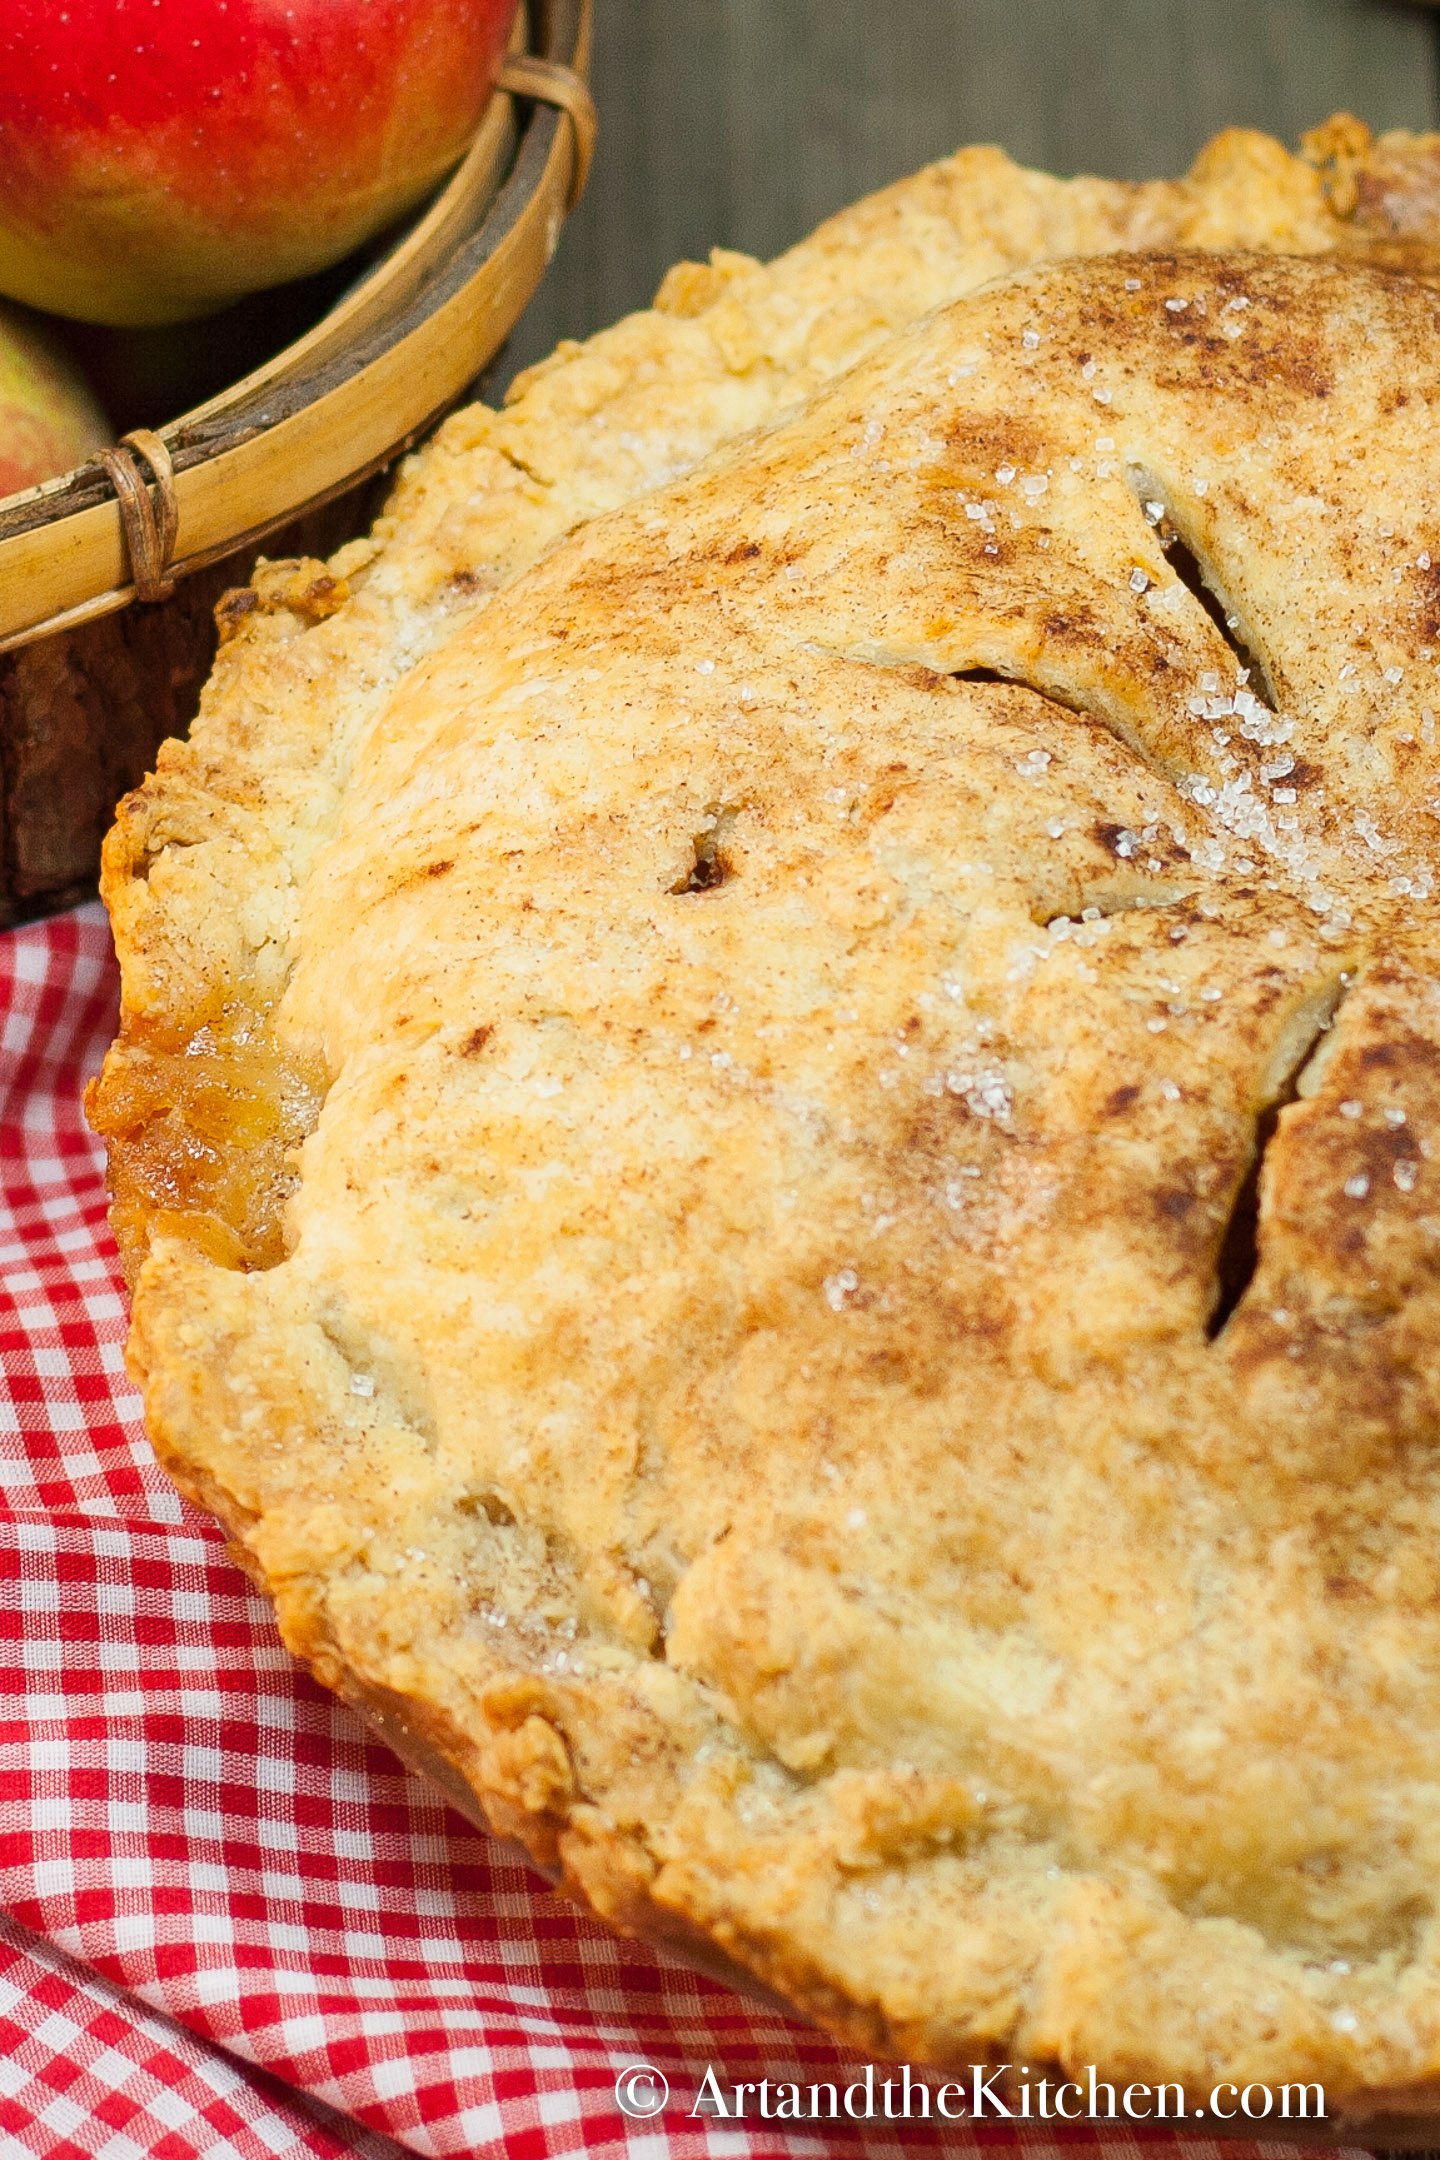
<point x="693" y="1096"/>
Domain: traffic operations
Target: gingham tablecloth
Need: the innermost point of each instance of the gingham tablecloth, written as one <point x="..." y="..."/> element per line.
<point x="233" y="1924"/>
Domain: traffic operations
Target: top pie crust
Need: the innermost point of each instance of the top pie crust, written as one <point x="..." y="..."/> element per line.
<point x="690" y="1092"/>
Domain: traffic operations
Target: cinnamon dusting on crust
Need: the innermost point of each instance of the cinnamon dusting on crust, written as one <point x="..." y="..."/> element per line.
<point x="758" y="1420"/>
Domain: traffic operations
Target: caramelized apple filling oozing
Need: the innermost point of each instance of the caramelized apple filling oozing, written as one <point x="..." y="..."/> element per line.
<point x="202" y="1129"/>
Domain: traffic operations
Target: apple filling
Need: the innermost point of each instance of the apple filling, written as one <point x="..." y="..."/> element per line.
<point x="203" y="1128"/>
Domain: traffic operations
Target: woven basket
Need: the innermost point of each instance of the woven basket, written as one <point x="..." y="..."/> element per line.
<point x="90" y="681"/>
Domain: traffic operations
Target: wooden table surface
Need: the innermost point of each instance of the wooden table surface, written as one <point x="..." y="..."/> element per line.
<point x="744" y="122"/>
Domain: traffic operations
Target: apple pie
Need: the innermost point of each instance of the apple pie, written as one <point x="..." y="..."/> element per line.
<point x="777" y="1117"/>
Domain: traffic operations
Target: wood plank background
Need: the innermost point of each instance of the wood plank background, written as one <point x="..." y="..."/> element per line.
<point x="743" y="122"/>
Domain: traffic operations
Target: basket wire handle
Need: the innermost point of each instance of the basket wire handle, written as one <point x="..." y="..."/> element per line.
<point x="150" y="520"/>
<point x="551" y="84"/>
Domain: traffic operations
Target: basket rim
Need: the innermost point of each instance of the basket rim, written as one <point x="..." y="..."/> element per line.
<point x="347" y="397"/>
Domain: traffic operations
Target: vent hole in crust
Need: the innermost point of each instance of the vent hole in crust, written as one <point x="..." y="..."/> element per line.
<point x="1187" y="559"/>
<point x="1101" y="905"/>
<point x="1186" y="566"/>
<point x="1239" y="1255"/>
<point x="708" y="870"/>
<point x="488" y="1504"/>
<point x="1087" y="706"/>
<point x="1240" y="1247"/>
<point x="712" y="866"/>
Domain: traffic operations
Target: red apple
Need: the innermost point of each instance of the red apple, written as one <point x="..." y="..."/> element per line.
<point x="48" y="419"/>
<point x="160" y="157"/>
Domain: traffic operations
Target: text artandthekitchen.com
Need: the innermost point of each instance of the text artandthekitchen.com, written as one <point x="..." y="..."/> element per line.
<point x="998" y="2090"/>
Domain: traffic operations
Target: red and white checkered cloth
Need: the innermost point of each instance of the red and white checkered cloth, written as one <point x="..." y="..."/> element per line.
<point x="236" y="1925"/>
